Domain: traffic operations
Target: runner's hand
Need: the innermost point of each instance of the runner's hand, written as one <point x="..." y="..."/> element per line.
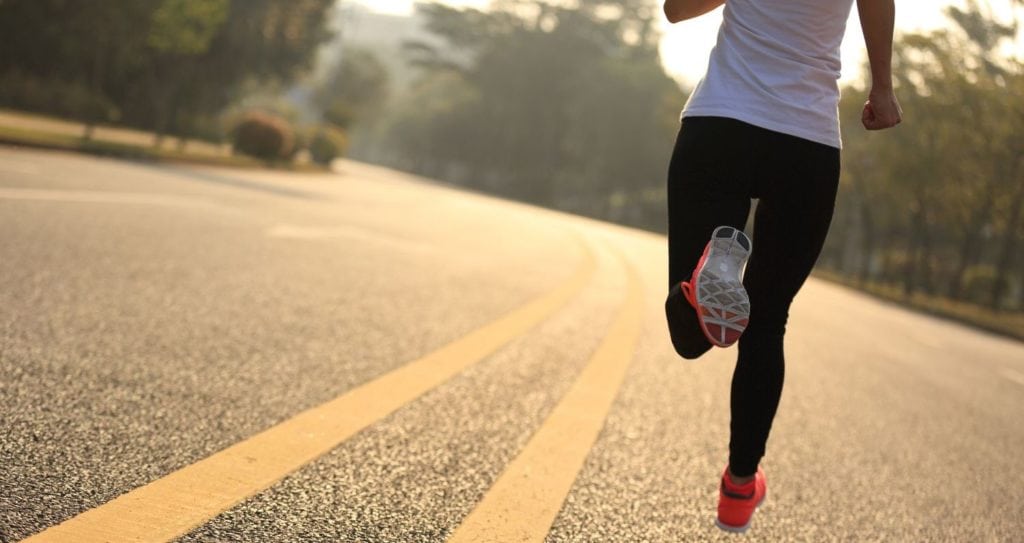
<point x="881" y="111"/>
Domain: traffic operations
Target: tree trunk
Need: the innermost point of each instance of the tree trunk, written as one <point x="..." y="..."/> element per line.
<point x="160" y="97"/>
<point x="926" y="273"/>
<point x="868" y="243"/>
<point x="164" y="115"/>
<point x="966" y="258"/>
<point x="844" y="259"/>
<point x="1020" y="291"/>
<point x="910" y="271"/>
<point x="1009" y="245"/>
<point x="969" y="249"/>
<point x="96" y="88"/>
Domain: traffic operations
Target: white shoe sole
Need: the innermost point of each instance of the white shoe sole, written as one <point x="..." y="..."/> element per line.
<point x="723" y="303"/>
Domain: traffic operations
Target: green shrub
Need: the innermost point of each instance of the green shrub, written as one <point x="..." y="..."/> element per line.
<point x="328" y="143"/>
<point x="263" y="136"/>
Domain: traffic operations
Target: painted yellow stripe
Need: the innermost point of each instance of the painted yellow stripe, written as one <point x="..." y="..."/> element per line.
<point x="170" y="507"/>
<point x="523" y="503"/>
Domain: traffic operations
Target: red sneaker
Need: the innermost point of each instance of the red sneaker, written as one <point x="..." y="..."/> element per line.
<point x="716" y="290"/>
<point x="736" y="503"/>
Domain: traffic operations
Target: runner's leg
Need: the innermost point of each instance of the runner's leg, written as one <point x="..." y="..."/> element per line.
<point x="706" y="189"/>
<point x="796" y="201"/>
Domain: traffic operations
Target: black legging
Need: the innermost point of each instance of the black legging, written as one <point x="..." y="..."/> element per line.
<point x="717" y="167"/>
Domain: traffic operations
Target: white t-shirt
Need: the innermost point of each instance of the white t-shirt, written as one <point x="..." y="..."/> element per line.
<point x="776" y="65"/>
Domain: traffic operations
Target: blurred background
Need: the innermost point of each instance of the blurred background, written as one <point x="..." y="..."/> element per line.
<point x="571" y="104"/>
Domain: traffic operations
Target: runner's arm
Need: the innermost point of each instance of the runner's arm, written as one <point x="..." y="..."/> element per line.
<point x="877" y="18"/>
<point x="681" y="10"/>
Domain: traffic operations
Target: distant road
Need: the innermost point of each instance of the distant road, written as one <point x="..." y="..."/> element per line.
<point x="214" y="355"/>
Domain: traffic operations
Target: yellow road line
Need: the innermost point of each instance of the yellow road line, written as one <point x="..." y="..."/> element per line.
<point x="524" y="501"/>
<point x="173" y="505"/>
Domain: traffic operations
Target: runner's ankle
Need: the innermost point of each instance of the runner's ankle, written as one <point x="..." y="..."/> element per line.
<point x="740" y="481"/>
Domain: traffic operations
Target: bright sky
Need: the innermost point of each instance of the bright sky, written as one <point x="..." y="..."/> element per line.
<point x="685" y="46"/>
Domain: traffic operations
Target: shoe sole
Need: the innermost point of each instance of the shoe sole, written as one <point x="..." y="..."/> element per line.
<point x="740" y="529"/>
<point x="723" y="306"/>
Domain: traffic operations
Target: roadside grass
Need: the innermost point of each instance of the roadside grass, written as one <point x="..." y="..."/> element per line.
<point x="1005" y="323"/>
<point x="40" y="139"/>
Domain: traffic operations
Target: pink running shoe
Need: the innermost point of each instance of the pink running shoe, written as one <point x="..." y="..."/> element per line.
<point x="737" y="503"/>
<point x="716" y="290"/>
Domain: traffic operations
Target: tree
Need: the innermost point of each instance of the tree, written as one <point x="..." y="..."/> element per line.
<point x="355" y="88"/>
<point x="164" y="65"/>
<point x="938" y="202"/>
<point x="264" y="40"/>
<point x="563" y="105"/>
<point x="180" y="33"/>
<point x="81" y="53"/>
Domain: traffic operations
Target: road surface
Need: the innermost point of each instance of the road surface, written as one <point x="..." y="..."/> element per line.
<point x="212" y="355"/>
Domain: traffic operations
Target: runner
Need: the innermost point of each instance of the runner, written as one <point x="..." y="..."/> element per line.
<point x="762" y="123"/>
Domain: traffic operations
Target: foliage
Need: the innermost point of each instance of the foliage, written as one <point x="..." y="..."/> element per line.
<point x="69" y="99"/>
<point x="263" y="136"/>
<point x="168" y="65"/>
<point x="327" y="144"/>
<point x="356" y="88"/>
<point x="66" y="47"/>
<point x="566" y="106"/>
<point x="936" y="204"/>
<point x="186" y="27"/>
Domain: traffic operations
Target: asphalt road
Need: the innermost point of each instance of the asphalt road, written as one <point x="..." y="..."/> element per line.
<point x="154" y="319"/>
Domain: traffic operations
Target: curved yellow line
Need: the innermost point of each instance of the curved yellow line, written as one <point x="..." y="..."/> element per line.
<point x="175" y="504"/>
<point x="524" y="501"/>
